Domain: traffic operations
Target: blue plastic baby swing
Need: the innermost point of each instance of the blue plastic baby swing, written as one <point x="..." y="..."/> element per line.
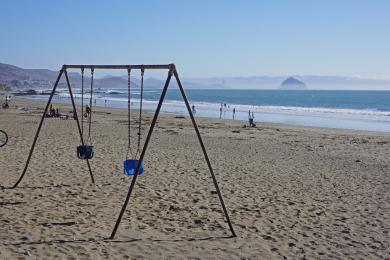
<point x="130" y="165"/>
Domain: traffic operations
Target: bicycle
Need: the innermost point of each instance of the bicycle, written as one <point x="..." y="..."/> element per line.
<point x="3" y="138"/>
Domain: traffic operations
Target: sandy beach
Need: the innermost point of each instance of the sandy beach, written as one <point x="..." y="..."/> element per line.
<point x="292" y="192"/>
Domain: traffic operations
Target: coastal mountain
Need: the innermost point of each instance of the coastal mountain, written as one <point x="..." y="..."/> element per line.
<point x="292" y="83"/>
<point x="22" y="79"/>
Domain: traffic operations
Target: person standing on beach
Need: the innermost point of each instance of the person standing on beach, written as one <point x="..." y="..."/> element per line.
<point x="51" y="111"/>
<point x="105" y="102"/>
<point x="87" y="111"/>
<point x="250" y="119"/>
<point x="234" y="112"/>
<point x="220" y="112"/>
<point x="193" y="109"/>
<point x="5" y="105"/>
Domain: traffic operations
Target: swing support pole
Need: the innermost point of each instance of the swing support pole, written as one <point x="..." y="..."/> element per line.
<point x="38" y="130"/>
<point x="62" y="71"/>
<point x="78" y="123"/>
<point x="141" y="157"/>
<point x="172" y="71"/>
<point x="205" y="153"/>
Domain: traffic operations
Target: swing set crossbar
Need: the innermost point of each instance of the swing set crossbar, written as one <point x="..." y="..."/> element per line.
<point x="137" y="66"/>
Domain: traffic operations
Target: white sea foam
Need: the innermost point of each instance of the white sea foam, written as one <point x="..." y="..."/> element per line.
<point x="288" y="109"/>
<point x="242" y="108"/>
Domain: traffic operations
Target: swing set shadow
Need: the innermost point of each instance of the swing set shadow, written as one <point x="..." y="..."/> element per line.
<point x="116" y="241"/>
<point x="171" y="72"/>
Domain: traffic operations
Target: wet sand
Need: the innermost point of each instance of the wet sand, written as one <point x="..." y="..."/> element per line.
<point x="292" y="192"/>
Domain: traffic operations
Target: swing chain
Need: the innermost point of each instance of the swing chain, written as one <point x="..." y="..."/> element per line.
<point x="82" y="101"/>
<point x="140" y="112"/>
<point x="90" y="108"/>
<point x="129" y="112"/>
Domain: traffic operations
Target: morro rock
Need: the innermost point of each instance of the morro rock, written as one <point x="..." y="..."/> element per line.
<point x="292" y="83"/>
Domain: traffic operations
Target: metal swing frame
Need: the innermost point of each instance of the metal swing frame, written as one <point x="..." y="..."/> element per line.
<point x="171" y="72"/>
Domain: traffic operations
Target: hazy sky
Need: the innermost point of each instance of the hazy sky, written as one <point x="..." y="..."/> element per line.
<point x="204" y="38"/>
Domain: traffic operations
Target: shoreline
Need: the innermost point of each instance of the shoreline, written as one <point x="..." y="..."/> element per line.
<point x="265" y="117"/>
<point x="294" y="192"/>
<point x="68" y="105"/>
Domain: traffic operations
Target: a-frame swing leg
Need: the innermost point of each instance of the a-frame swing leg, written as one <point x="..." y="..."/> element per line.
<point x="77" y="120"/>
<point x="141" y="157"/>
<point x="205" y="153"/>
<point x="171" y="71"/>
<point x="38" y="130"/>
<point x="62" y="71"/>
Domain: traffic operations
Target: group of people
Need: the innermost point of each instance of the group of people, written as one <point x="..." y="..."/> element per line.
<point x="53" y="112"/>
<point x="6" y="102"/>
<point x="224" y="107"/>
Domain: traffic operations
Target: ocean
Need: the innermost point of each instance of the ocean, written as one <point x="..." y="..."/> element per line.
<point x="358" y="110"/>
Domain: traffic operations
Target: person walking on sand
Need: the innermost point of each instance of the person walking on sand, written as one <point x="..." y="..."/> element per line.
<point x="234" y="112"/>
<point x="193" y="109"/>
<point x="87" y="111"/>
<point x="250" y="119"/>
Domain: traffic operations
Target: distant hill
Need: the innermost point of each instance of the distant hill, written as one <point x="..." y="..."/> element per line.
<point x="10" y="72"/>
<point x="19" y="78"/>
<point x="292" y="83"/>
<point x="16" y="77"/>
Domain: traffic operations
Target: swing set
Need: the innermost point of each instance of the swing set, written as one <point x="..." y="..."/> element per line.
<point x="133" y="165"/>
<point x="87" y="151"/>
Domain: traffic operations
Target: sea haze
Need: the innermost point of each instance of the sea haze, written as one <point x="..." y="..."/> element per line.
<point x="20" y="78"/>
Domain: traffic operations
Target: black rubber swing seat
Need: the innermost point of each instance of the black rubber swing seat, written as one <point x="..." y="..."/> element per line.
<point x="85" y="152"/>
